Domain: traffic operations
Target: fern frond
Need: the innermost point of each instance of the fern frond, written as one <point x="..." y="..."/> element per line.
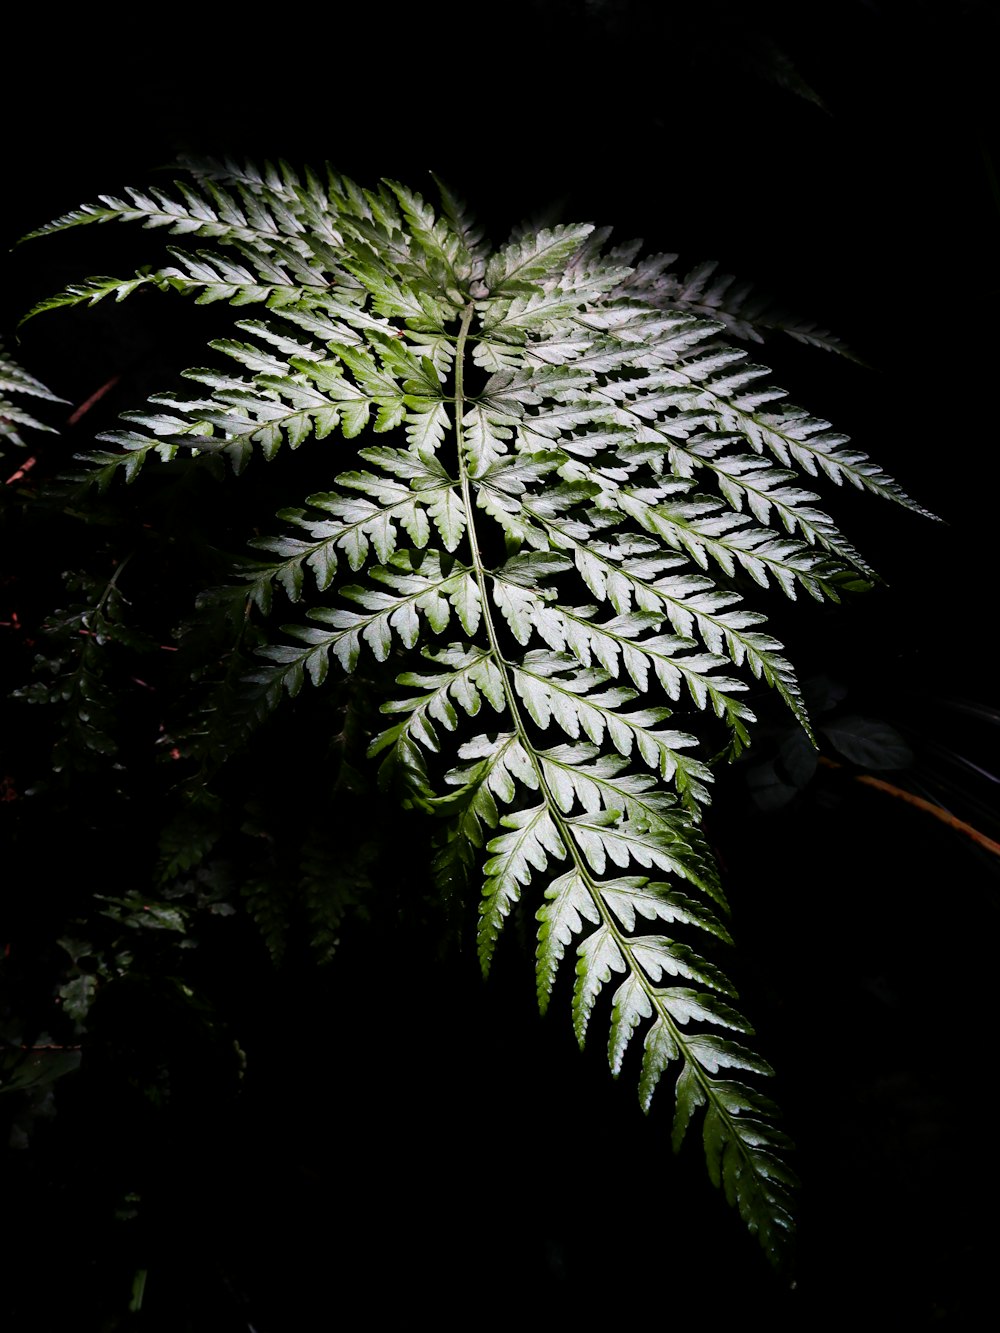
<point x="705" y="530"/>
<point x="473" y="676"/>
<point x="591" y="491"/>
<point x="632" y="571"/>
<point x="553" y="688"/>
<point x="355" y="525"/>
<point x="532" y="258"/>
<point x="16" y="381"/>
<point x="535" y="838"/>
<point x="629" y="641"/>
<point x="753" y="481"/>
<point x="212" y="211"/>
<point x="427" y="588"/>
<point x="745" y="312"/>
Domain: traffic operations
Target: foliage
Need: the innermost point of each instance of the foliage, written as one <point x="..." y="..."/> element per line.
<point x="545" y="575"/>
<point x="16" y="382"/>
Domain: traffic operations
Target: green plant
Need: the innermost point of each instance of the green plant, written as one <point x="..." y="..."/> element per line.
<point x="15" y="381"/>
<point x="540" y="576"/>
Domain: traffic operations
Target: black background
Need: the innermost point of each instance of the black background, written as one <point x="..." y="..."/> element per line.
<point x="386" y="1163"/>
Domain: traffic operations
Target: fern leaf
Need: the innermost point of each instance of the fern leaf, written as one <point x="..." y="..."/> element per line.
<point x="568" y="904"/>
<point x="631" y="897"/>
<point x="533" y="840"/>
<point x="744" y="311"/>
<point x="551" y="693"/>
<point x="472" y="677"/>
<point x="631" y="1007"/>
<point x="16" y="381"/>
<point x="598" y="957"/>
<point x="690" y="602"/>
<point x="532" y="258"/>
<point x="563" y="463"/>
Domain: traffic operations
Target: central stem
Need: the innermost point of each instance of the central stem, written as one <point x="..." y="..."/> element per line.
<point x="463" y="466"/>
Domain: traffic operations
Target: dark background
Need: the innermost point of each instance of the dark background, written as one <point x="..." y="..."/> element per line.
<point x="458" y="1161"/>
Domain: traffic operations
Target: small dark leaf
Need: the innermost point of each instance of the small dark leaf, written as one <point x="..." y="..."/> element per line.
<point x="798" y="758"/>
<point x="868" y="742"/>
<point x="821" y="693"/>
<point x="769" y="792"/>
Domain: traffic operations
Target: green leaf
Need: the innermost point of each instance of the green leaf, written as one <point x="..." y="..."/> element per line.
<point x="532" y="258"/>
<point x="569" y="903"/>
<point x="562" y="462"/>
<point x="868" y="742"/>
<point x="598" y="957"/>
<point x="515" y="855"/>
